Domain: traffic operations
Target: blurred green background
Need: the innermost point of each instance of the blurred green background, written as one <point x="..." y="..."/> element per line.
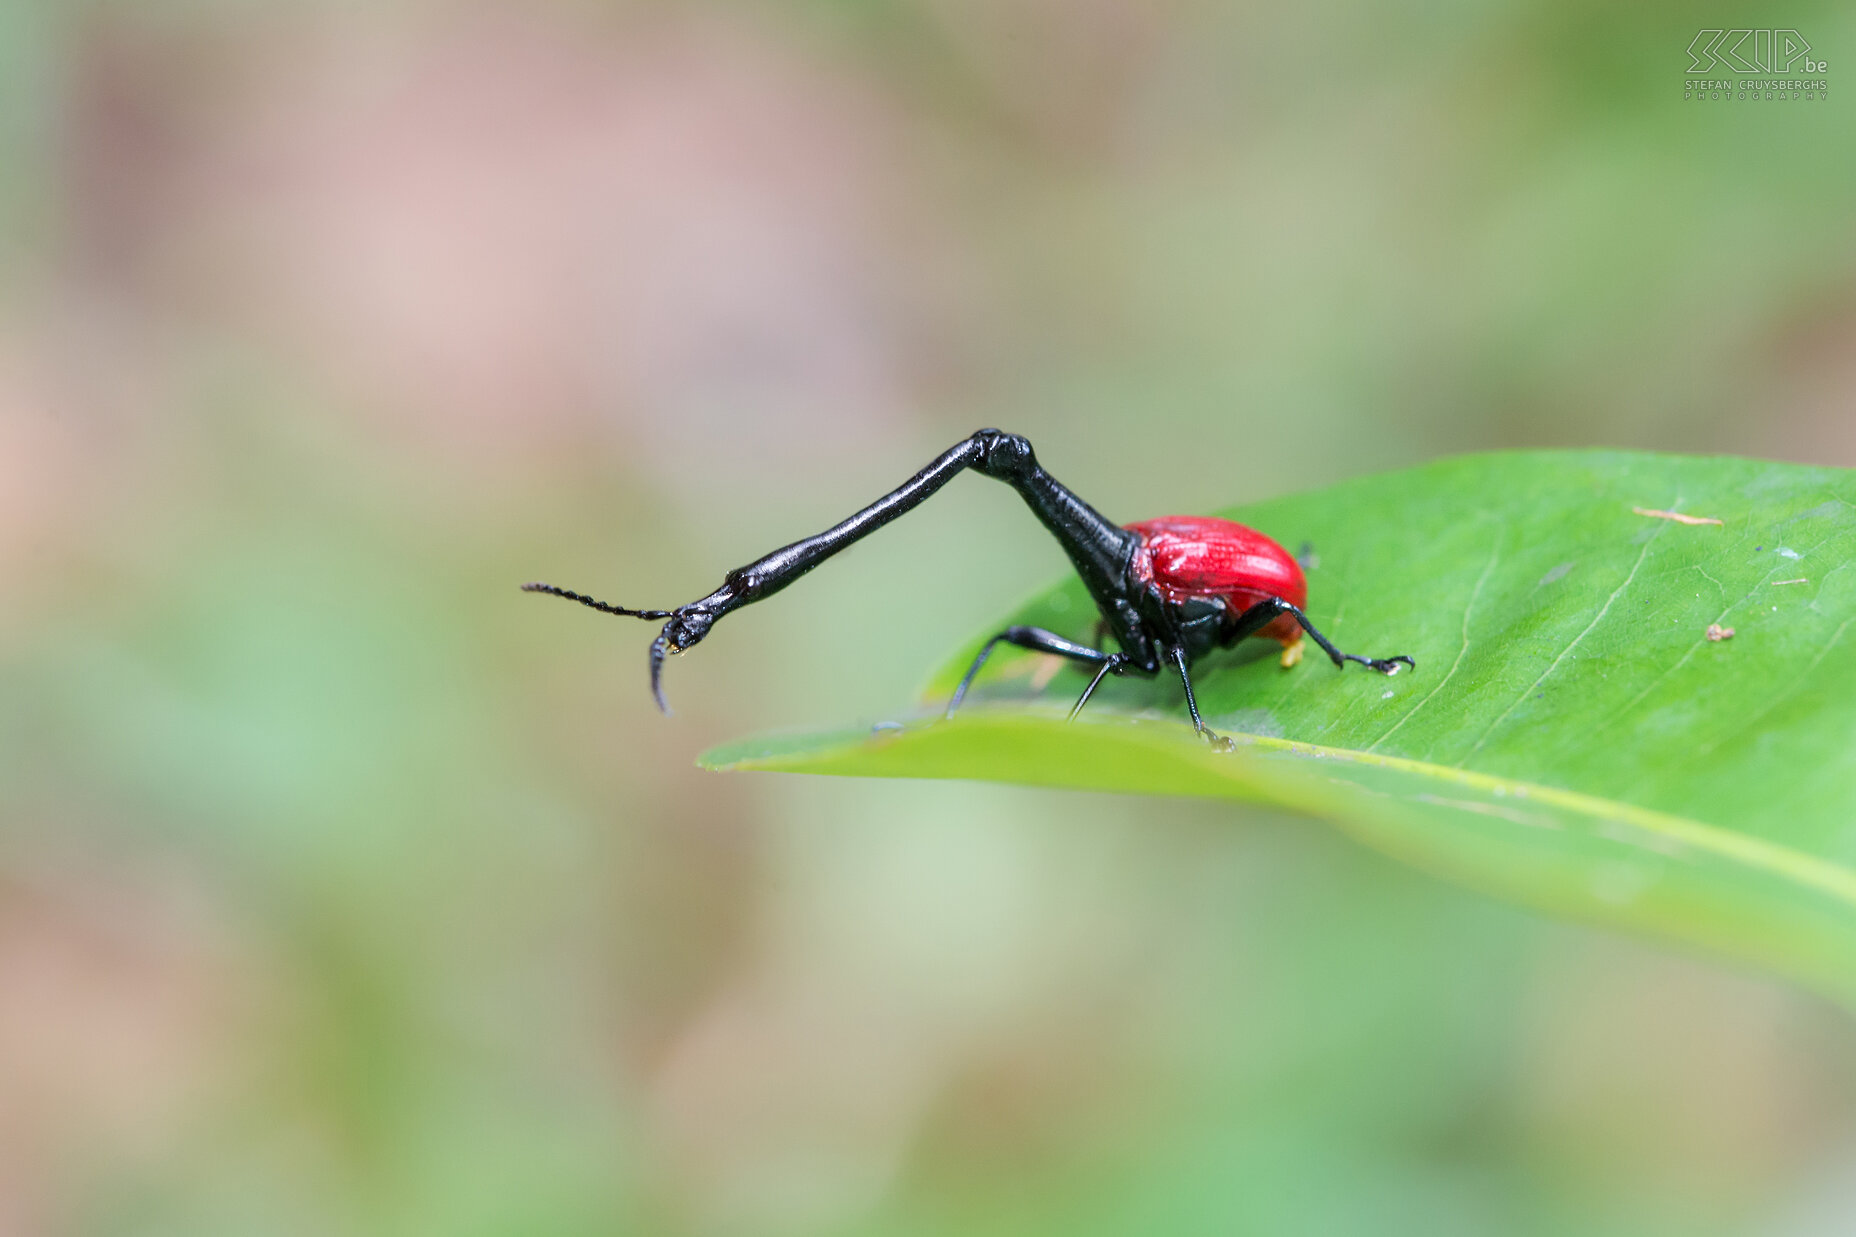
<point x="345" y="889"/>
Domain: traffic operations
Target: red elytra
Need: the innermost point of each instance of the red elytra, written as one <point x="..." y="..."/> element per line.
<point x="1203" y="556"/>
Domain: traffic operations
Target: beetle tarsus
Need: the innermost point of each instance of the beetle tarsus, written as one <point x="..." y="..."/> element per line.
<point x="1384" y="665"/>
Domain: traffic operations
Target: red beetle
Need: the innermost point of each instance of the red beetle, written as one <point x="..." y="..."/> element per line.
<point x="1202" y="556"/>
<point x="1170" y="590"/>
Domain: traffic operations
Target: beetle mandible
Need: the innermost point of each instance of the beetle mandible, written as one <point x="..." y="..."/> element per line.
<point x="1170" y="590"/>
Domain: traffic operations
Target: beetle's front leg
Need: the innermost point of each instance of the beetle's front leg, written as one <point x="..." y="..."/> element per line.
<point x="1039" y="640"/>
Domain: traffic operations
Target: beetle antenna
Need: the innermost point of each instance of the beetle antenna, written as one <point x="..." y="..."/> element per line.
<point x="603" y="607"/>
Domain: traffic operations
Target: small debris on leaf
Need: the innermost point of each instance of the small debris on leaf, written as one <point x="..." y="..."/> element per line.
<point x="1305" y="556"/>
<point x="1799" y="580"/>
<point x="1717" y="633"/>
<point x="1677" y="516"/>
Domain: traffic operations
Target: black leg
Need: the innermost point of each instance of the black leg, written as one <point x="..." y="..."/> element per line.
<point x="1099" y="549"/>
<point x="1185" y="681"/>
<point x="1041" y="641"/>
<point x="1192" y="703"/>
<point x="1259" y="616"/>
<point x="1113" y="664"/>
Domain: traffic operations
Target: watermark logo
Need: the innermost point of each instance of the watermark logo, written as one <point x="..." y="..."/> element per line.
<point x="1766" y="65"/>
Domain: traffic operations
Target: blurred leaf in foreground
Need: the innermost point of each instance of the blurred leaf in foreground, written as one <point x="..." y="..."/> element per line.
<point x="1579" y="735"/>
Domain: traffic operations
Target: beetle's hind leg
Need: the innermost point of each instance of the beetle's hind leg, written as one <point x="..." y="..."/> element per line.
<point x="1038" y="640"/>
<point x="1261" y="615"/>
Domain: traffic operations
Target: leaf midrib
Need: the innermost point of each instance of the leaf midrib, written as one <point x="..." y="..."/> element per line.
<point x="1772" y="857"/>
<point x="1758" y="854"/>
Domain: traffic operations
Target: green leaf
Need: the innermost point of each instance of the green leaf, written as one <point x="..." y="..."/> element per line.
<point x="1572" y="737"/>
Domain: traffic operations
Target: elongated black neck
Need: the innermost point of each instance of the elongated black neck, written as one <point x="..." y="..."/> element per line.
<point x="1097" y="547"/>
<point x="769" y="574"/>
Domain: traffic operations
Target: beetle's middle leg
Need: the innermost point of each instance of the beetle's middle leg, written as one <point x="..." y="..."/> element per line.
<point x="1178" y="655"/>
